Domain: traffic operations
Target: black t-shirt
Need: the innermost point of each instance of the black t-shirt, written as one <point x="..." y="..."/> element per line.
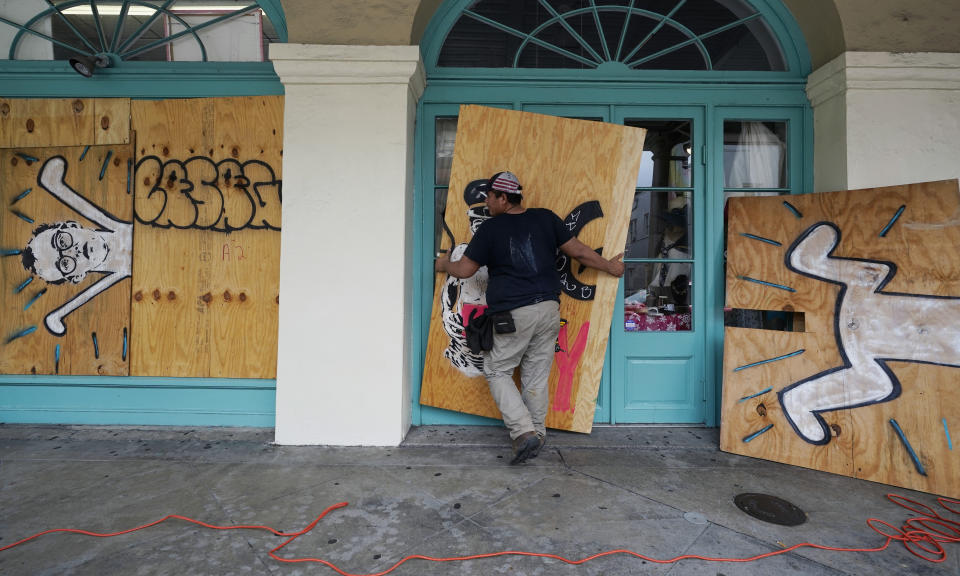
<point x="520" y="253"/>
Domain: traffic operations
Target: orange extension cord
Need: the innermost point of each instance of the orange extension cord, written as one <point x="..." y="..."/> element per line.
<point x="922" y="535"/>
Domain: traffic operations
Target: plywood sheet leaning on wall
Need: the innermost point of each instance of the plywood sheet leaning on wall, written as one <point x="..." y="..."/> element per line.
<point x="207" y="204"/>
<point x="869" y="389"/>
<point x="586" y="173"/>
<point x="66" y="236"/>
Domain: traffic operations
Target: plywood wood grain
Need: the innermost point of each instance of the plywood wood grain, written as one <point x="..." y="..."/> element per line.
<point x="561" y="163"/>
<point x="208" y="218"/>
<point x="881" y="315"/>
<point x="100" y="177"/>
<point x="29" y="122"/>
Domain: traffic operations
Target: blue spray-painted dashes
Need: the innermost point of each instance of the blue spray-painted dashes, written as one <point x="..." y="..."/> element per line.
<point x="757" y="433"/>
<point x="906" y="443"/>
<point x="892" y="220"/>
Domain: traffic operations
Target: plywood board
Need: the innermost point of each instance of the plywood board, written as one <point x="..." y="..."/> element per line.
<point x="26" y="122"/>
<point x="207" y="203"/>
<point x="877" y="275"/>
<point x="585" y="172"/>
<point x="51" y="322"/>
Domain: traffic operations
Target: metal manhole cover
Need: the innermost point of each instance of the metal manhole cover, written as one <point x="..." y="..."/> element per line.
<point x="770" y="509"/>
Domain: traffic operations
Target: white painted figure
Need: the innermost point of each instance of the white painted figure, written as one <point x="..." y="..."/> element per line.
<point x="462" y="296"/>
<point x="872" y="327"/>
<point x="67" y="251"/>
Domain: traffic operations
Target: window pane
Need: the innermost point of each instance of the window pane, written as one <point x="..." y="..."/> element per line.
<point x="657" y="296"/>
<point x="661" y="225"/>
<point x="446" y="135"/>
<point x="587" y="34"/>
<point x="754" y="154"/>
<point x="667" y="150"/>
<point x="88" y="27"/>
<point x="439" y="206"/>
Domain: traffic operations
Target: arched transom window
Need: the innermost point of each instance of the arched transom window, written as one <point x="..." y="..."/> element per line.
<point x="105" y="33"/>
<point x="613" y="36"/>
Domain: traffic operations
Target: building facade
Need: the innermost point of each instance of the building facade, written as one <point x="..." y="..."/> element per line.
<point x="737" y="96"/>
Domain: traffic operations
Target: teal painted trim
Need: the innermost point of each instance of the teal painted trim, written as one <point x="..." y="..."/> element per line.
<point x="162" y="9"/>
<point x="153" y="80"/>
<point x="417" y="329"/>
<point x="788" y="32"/>
<point x="138" y="382"/>
<point x="622" y="75"/>
<point x="137" y="400"/>
<point x="665" y="93"/>
<point x="274" y="11"/>
<point x="439" y="417"/>
<point x="118" y="29"/>
<point x="715" y="280"/>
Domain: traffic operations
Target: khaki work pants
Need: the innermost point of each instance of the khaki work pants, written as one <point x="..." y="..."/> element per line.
<point x="531" y="347"/>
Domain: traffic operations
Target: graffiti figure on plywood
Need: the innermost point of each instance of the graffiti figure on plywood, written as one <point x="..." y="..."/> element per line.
<point x="199" y="193"/>
<point x="872" y="327"/>
<point x="574" y="222"/>
<point x="67" y="251"/>
<point x="463" y="298"/>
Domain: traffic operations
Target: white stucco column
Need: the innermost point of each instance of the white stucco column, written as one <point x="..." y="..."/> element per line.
<point x="345" y="264"/>
<point x="882" y="119"/>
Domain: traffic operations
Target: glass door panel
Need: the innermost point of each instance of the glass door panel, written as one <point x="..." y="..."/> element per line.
<point x="657" y="336"/>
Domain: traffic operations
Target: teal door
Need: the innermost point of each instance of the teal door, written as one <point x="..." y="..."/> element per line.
<point x="658" y="331"/>
<point x="654" y="373"/>
<point x="718" y="85"/>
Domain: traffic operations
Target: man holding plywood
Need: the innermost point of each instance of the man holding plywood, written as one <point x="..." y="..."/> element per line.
<point x="519" y="248"/>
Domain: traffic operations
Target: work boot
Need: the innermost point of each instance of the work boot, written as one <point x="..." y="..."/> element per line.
<point x="525" y="447"/>
<point x="541" y="440"/>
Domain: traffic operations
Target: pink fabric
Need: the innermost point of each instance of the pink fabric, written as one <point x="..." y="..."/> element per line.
<point x="468" y="308"/>
<point x="633" y="322"/>
<point x="567" y="359"/>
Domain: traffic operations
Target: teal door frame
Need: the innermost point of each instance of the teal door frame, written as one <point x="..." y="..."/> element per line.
<point x="719" y="101"/>
<point x="799" y="162"/>
<point x="658" y="377"/>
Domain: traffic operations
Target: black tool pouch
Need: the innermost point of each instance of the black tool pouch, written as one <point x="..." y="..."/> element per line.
<point x="503" y="322"/>
<point x="479" y="332"/>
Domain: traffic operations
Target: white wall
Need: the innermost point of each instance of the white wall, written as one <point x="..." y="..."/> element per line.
<point x="882" y="119"/>
<point x="345" y="266"/>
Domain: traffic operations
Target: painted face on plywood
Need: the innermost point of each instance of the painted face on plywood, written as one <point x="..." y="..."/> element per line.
<point x="66" y="251"/>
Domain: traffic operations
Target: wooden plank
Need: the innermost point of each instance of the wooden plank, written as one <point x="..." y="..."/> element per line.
<point x="245" y="303"/>
<point x="111" y="120"/>
<point x="107" y="314"/>
<point x="881" y="310"/>
<point x="208" y="291"/>
<point x="26" y="123"/>
<point x="562" y="164"/>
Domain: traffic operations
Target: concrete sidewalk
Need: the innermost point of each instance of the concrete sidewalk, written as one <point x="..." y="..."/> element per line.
<point x="447" y="491"/>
